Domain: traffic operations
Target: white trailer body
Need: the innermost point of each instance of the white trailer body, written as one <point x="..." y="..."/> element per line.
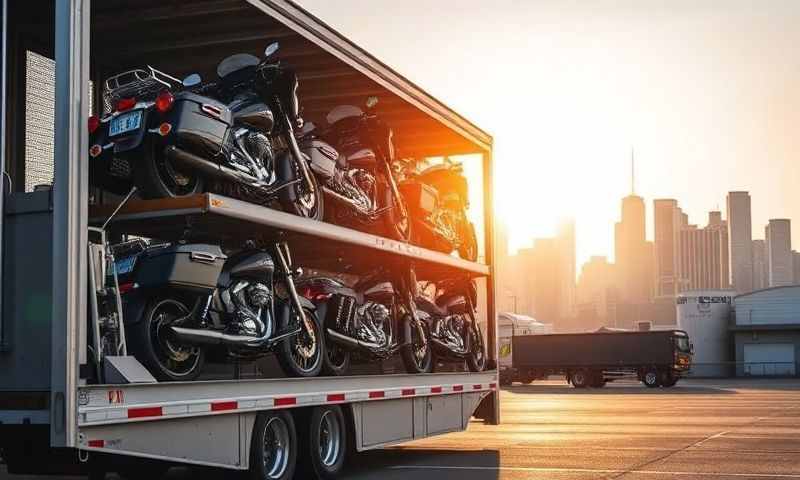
<point x="46" y="405"/>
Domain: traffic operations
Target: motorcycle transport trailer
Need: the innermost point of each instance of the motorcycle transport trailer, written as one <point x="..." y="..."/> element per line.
<point x="51" y="418"/>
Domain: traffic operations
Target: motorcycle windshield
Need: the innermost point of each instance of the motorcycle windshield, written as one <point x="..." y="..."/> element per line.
<point x="343" y="111"/>
<point x="236" y="62"/>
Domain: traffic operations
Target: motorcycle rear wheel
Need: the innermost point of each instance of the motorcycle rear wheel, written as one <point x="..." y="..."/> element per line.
<point x="337" y="359"/>
<point x="152" y="344"/>
<point x="157" y="178"/>
<point x="293" y="352"/>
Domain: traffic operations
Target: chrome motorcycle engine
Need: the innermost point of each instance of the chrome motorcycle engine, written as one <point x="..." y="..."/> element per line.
<point x="248" y="307"/>
<point x="357" y="185"/>
<point x="451" y="329"/>
<point x="370" y="322"/>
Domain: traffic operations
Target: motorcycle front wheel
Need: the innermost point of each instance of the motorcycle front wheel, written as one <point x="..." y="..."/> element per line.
<point x="476" y="360"/>
<point x="417" y="356"/>
<point x="155" y="346"/>
<point x="468" y="246"/>
<point x="298" y="200"/>
<point x="156" y="177"/>
<point x="301" y="355"/>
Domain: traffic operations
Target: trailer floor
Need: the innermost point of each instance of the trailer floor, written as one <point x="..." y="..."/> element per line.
<point x="705" y="429"/>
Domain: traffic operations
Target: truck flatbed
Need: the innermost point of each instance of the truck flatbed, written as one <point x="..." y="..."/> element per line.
<point x="215" y="218"/>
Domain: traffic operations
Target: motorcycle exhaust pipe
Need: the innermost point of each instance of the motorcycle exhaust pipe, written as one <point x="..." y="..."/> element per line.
<point x="194" y="336"/>
<point x="190" y="161"/>
<point x="351" y="342"/>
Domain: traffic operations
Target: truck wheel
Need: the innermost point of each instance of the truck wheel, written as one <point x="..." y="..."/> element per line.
<point x="324" y="443"/>
<point x="273" y="450"/>
<point x="580" y="378"/>
<point x="597" y="380"/>
<point x="668" y="380"/>
<point x="651" y="379"/>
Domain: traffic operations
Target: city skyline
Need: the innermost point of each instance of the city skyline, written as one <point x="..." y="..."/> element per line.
<point x="695" y="89"/>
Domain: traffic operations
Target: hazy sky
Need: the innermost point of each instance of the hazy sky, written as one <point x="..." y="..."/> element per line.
<point x="708" y="94"/>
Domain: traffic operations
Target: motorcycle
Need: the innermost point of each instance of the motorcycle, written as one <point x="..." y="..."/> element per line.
<point x="236" y="137"/>
<point x="374" y="319"/>
<point x="181" y="300"/>
<point x="455" y="332"/>
<point x="357" y="172"/>
<point x="437" y="198"/>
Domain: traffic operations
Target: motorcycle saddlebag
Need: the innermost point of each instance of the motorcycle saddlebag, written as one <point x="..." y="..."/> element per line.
<point x="420" y="198"/>
<point x="199" y="124"/>
<point x="195" y="267"/>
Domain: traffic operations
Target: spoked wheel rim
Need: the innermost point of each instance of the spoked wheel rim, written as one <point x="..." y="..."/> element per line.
<point x="305" y="347"/>
<point x="650" y="378"/>
<point x="276" y="447"/>
<point x="176" y="359"/>
<point x="330" y="439"/>
<point x="578" y="378"/>
<point x="178" y="183"/>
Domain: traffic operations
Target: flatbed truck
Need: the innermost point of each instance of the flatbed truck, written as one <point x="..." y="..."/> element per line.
<point x="656" y="358"/>
<point x="52" y="419"/>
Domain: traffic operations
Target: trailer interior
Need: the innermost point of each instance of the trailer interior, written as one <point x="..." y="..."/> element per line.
<point x="56" y="56"/>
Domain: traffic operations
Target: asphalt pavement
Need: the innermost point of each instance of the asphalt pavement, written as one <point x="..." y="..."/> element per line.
<point x="709" y="429"/>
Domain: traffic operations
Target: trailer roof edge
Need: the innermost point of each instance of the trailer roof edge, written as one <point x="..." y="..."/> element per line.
<point x="323" y="35"/>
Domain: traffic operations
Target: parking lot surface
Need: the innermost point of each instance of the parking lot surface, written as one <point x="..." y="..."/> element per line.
<point x="709" y="429"/>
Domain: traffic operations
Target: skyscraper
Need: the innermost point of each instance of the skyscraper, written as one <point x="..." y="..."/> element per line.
<point x="760" y="279"/>
<point x="597" y="288"/>
<point x="780" y="266"/>
<point x="740" y="238"/>
<point x="669" y="219"/>
<point x="703" y="255"/>
<point x="631" y="254"/>
<point x="565" y="244"/>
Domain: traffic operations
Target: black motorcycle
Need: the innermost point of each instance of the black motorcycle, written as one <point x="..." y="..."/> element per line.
<point x="180" y="300"/>
<point x="437" y="198"/>
<point x="455" y="333"/>
<point x="357" y="172"/>
<point x="176" y="138"/>
<point x="373" y="319"/>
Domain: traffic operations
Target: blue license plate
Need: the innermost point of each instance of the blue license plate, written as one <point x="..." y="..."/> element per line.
<point x="125" y="265"/>
<point x="125" y="123"/>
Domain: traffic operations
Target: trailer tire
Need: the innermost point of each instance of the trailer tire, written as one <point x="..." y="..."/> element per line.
<point x="323" y="442"/>
<point x="668" y="380"/>
<point x="597" y="380"/>
<point x="651" y="379"/>
<point x="579" y="378"/>
<point x="273" y="449"/>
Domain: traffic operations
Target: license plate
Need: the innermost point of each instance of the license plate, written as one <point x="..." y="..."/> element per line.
<point x="125" y="123"/>
<point x="125" y="265"/>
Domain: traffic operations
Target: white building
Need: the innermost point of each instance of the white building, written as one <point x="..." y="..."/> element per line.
<point x="740" y="237"/>
<point x="705" y="316"/>
<point x="780" y="265"/>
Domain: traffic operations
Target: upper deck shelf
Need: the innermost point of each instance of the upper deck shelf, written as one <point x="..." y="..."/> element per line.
<point x="217" y="219"/>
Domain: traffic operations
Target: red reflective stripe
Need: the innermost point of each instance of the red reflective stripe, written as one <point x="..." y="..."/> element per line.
<point x="492" y="385"/>
<point x="144" y="412"/>
<point x="336" y="397"/>
<point x="282" y="402"/>
<point x="408" y="391"/>
<point x="221" y="406"/>
<point x="97" y="443"/>
<point x="458" y="388"/>
<point x="377" y="394"/>
<point x="436" y="389"/>
<point x="477" y="386"/>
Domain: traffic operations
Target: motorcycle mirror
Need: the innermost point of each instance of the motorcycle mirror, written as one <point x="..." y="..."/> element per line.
<point x="271" y="49"/>
<point x="192" y="80"/>
<point x="372" y="101"/>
